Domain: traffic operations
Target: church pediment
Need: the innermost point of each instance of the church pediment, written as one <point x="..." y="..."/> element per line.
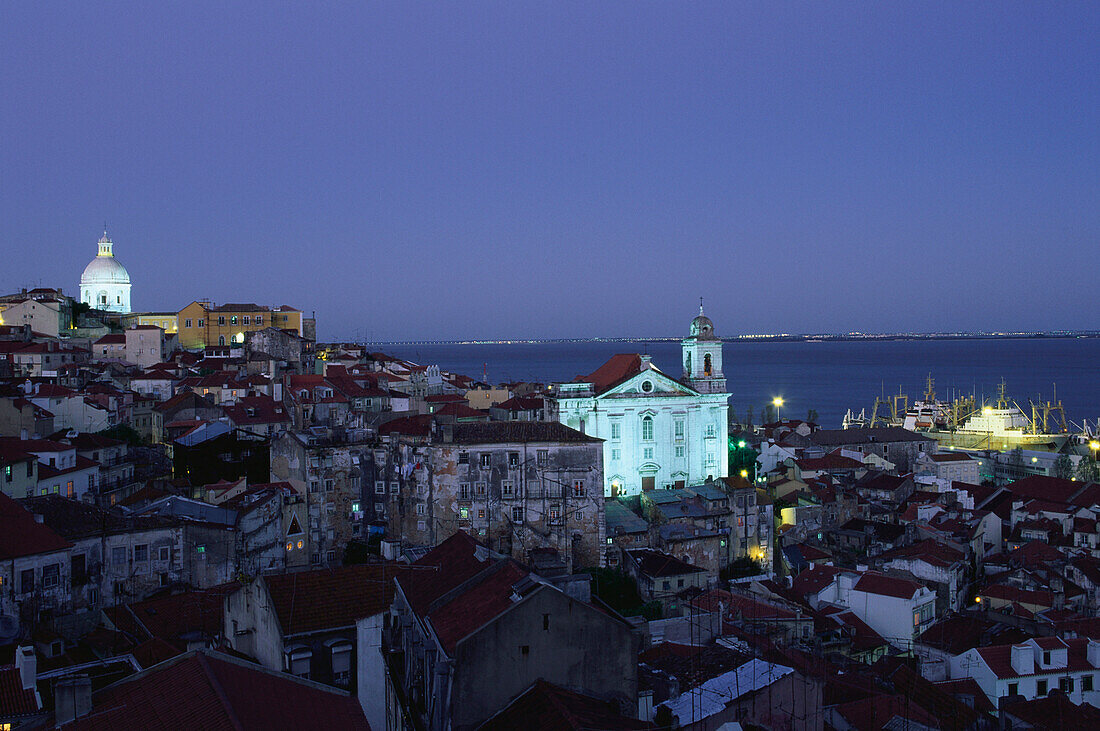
<point x="649" y="382"/>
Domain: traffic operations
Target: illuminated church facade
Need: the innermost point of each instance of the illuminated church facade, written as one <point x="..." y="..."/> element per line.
<point x="658" y="431"/>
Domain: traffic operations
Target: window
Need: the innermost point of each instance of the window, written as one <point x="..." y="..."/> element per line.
<point x="232" y="319"/>
<point x="578" y="488"/>
<point x="221" y="340"/>
<point x="298" y="660"/>
<point x="710" y="430"/>
<point x="1046" y="657"/>
<point x="379" y="487"/>
<point x="330" y="484"/>
<point x="1086" y="683"/>
<point x="421" y="525"/>
<point x="517" y="514"/>
<point x="464" y="491"/>
<point x="885" y="449"/>
<point x="616" y="455"/>
<point x="513" y="459"/>
<point x="163" y="553"/>
<point x="679" y="583"/>
<point x="259" y="320"/>
<point x="647" y="428"/>
<point x="118" y="556"/>
<point x="421" y="509"/>
<point x="341" y="663"/>
<point x="579" y="515"/>
<point x="555" y="514"/>
<point x="245" y="320"/>
<point x="221" y="321"/>
<point x="647" y="453"/>
<point x="464" y="513"/>
<point x="666" y="585"/>
<point x="1065" y="684"/>
<point x="78" y="569"/>
<point x="8" y="473"/>
<point x="395" y="487"/>
<point x="314" y="486"/>
<point x="479" y="488"/>
<point x="678" y="428"/>
<point x="647" y="386"/>
<point x="506" y="489"/>
<point x="486" y="460"/>
<point x="141" y="552"/>
<point x="543" y="457"/>
<point x="616" y="430"/>
<point x="201" y="323"/>
<point x="679" y="450"/>
<point x="481" y="513"/>
<point x="187" y="322"/>
<point x="1041" y="687"/>
<point x="26" y="581"/>
<point x="464" y="458"/>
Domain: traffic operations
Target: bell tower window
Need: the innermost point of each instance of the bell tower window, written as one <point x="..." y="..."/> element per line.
<point x="706" y="365"/>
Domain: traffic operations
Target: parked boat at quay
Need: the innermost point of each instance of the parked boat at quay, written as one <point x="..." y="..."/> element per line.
<point x="963" y="424"/>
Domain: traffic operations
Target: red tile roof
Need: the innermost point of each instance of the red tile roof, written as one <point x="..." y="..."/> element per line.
<point x="22" y="535"/>
<point x="876" y="583"/>
<point x="813" y="580"/>
<point x="546" y="707"/>
<point x="14" y="700"/>
<point x="655" y="563"/>
<point x="617" y="368"/>
<point x="999" y="658"/>
<point x="323" y="599"/>
<point x="478" y="604"/>
<point x="209" y="690"/>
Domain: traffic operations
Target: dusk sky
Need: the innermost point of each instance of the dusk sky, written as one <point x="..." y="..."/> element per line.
<point x="482" y="170"/>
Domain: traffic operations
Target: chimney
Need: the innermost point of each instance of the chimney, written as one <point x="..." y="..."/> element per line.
<point x="646" y="361"/>
<point x="1093" y="653"/>
<point x="72" y="698"/>
<point x="27" y="665"/>
<point x="1023" y="659"/>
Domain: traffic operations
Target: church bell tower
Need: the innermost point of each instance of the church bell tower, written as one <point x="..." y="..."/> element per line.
<point x="702" y="356"/>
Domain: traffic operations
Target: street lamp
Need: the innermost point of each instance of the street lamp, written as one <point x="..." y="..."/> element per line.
<point x="777" y="402"/>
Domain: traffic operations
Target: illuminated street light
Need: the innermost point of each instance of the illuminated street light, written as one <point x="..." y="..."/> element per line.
<point x="777" y="402"/>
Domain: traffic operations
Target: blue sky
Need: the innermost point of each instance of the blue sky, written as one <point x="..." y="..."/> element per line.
<point x="453" y="170"/>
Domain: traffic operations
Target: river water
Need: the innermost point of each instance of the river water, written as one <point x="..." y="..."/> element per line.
<point x="829" y="377"/>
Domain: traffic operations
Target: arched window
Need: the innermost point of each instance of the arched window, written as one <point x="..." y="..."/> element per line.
<point x="687" y="363"/>
<point x="221" y="340"/>
<point x="706" y="364"/>
<point x="647" y="428"/>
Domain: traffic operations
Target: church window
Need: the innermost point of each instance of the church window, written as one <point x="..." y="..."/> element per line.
<point x="706" y="365"/>
<point x="687" y="363"/>
<point x="680" y="451"/>
<point x="616" y="430"/>
<point x="647" y="453"/>
<point x="678" y="428"/>
<point x="710" y="430"/>
<point x="616" y="455"/>
<point x="647" y="386"/>
<point x="647" y="428"/>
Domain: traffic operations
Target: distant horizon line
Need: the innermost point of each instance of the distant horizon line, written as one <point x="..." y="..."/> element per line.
<point x="776" y="337"/>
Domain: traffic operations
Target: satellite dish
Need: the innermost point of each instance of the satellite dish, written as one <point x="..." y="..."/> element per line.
<point x="9" y="629"/>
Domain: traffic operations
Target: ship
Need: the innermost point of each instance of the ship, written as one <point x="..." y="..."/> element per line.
<point x="962" y="424"/>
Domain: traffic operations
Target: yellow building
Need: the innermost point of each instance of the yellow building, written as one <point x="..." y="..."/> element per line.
<point x="166" y="321"/>
<point x="203" y="323"/>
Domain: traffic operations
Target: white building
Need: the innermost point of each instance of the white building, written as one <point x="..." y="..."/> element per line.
<point x="898" y="609"/>
<point x="1034" y="668"/>
<point x="658" y="431"/>
<point x="105" y="283"/>
<point x="950" y="466"/>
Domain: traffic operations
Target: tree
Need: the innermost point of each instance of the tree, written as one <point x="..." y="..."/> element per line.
<point x="1063" y="467"/>
<point x="1087" y="470"/>
<point x="811" y="415"/>
<point x="767" y="415"/>
<point x="748" y="419"/>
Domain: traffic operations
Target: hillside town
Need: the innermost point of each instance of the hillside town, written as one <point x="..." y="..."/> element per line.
<point x="208" y="518"/>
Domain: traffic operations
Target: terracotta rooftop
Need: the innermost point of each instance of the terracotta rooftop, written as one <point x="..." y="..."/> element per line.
<point x="210" y="690"/>
<point x="547" y="707"/>
<point x="309" y="601"/>
<point x="22" y="535"/>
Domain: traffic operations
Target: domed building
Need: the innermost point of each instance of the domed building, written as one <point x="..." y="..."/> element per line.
<point x="105" y="283"/>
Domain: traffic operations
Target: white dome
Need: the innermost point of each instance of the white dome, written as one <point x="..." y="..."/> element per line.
<point x="104" y="270"/>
